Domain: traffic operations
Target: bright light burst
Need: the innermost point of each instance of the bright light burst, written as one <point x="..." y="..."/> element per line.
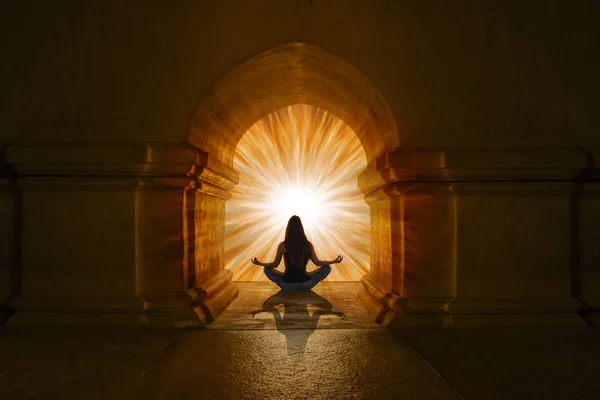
<point x="298" y="160"/>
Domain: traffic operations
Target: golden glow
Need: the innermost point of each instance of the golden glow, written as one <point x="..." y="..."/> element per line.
<point x="307" y="202"/>
<point x="298" y="160"/>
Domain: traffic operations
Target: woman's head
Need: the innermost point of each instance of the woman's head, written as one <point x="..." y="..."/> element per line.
<point x="295" y="230"/>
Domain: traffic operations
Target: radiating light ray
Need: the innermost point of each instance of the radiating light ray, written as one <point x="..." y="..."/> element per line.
<point x="298" y="160"/>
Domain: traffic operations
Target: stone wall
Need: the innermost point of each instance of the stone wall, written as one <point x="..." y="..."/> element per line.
<point x="113" y="211"/>
<point x="462" y="73"/>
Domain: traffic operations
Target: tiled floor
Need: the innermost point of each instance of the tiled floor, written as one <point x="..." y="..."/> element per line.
<point x="300" y="347"/>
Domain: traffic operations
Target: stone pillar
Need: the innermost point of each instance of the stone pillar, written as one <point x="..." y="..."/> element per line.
<point x="475" y="237"/>
<point x="106" y="234"/>
<point x="386" y="264"/>
<point x="213" y="289"/>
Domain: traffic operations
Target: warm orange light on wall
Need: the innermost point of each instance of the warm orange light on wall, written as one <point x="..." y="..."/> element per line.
<point x="305" y="161"/>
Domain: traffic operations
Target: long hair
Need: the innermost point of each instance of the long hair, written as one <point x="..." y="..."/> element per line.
<point x="296" y="243"/>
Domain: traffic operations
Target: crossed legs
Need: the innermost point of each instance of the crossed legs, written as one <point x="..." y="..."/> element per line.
<point x="316" y="276"/>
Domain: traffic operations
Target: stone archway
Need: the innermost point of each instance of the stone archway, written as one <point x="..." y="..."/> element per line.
<point x="290" y="74"/>
<point x="294" y="73"/>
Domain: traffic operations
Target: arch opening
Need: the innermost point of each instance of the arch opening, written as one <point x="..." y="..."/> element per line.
<point x="287" y="75"/>
<point x="299" y="160"/>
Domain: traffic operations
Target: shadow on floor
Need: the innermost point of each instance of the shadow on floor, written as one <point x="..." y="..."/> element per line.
<point x="298" y="311"/>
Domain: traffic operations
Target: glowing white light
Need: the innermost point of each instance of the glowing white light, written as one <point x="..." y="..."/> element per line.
<point x="303" y="161"/>
<point x="306" y="203"/>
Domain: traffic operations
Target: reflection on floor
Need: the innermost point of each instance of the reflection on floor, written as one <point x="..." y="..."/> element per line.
<point x="330" y="305"/>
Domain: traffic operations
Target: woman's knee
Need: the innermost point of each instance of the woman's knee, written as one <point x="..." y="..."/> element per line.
<point x="324" y="272"/>
<point x="270" y="274"/>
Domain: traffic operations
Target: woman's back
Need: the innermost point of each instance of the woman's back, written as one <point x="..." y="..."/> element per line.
<point x="295" y="267"/>
<point x="295" y="263"/>
<point x="297" y="252"/>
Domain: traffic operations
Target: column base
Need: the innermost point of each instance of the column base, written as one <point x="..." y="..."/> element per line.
<point x="394" y="311"/>
<point x="375" y="301"/>
<point x="174" y="311"/>
<point x="458" y="313"/>
<point x="516" y="320"/>
<point x="159" y="311"/>
<point x="209" y="300"/>
<point x="485" y="320"/>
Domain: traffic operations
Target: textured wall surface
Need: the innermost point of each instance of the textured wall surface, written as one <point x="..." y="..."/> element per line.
<point x="494" y="73"/>
<point x="491" y="104"/>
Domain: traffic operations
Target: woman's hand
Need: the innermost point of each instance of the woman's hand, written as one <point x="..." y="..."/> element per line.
<point x="256" y="262"/>
<point x="337" y="260"/>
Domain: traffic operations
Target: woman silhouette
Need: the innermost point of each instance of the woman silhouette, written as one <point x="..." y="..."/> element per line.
<point x="296" y="250"/>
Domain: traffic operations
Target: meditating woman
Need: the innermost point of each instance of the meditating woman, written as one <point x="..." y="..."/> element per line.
<point x="296" y="250"/>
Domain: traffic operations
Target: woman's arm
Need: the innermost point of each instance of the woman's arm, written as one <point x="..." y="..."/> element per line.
<point x="275" y="262"/>
<point x="319" y="263"/>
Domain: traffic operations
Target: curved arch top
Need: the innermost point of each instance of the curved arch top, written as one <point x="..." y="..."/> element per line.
<point x="293" y="73"/>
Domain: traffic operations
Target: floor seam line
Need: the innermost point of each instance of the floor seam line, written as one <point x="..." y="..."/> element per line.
<point x="435" y="371"/>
